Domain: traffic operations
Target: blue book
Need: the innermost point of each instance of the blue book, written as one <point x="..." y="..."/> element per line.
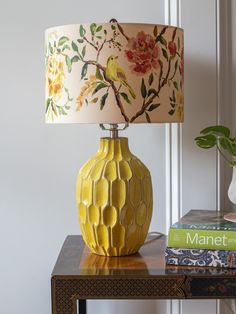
<point x="200" y="257"/>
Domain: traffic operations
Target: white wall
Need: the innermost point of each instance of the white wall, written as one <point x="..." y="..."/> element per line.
<point x="39" y="163"/>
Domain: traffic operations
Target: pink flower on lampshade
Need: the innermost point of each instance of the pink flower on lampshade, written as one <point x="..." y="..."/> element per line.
<point x="172" y="48"/>
<point x="143" y="53"/>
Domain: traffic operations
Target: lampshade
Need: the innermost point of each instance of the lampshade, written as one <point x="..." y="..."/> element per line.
<point x="114" y="73"/>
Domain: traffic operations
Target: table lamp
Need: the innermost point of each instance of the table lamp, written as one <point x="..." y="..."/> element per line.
<point x="110" y="74"/>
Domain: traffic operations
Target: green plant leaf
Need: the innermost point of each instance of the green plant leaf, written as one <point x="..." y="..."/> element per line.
<point x="164" y="52"/>
<point x="99" y="28"/>
<point x="83" y="51"/>
<point x="228" y="145"/>
<point x="103" y="101"/>
<point x="99" y="86"/>
<point x="69" y="64"/>
<point x="126" y="98"/>
<point x="74" y="46"/>
<point x="84" y="70"/>
<point x="75" y="59"/>
<point x="93" y="27"/>
<point x="206" y="141"/>
<point x="153" y="106"/>
<point x="143" y="89"/>
<point x="62" y="40"/>
<point x="147" y="117"/>
<point x="218" y="130"/>
<point x="150" y="79"/>
<point x="82" y="31"/>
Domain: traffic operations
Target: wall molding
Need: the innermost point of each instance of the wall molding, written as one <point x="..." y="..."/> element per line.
<point x="173" y="154"/>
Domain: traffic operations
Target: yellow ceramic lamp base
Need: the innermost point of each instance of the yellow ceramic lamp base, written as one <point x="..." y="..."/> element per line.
<point x="114" y="198"/>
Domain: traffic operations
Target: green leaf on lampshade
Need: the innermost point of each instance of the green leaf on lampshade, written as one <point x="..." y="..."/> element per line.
<point x="171" y="112"/>
<point x="103" y="101"/>
<point x="80" y="41"/>
<point x="93" y="27"/>
<point x="163" y="41"/>
<point x="150" y="80"/>
<point x="153" y="106"/>
<point x="94" y="100"/>
<point x="176" y="65"/>
<point x="147" y="117"/>
<point x="126" y="98"/>
<point x="99" y="86"/>
<point x="99" y="28"/>
<point x="68" y="63"/>
<point x="83" y="51"/>
<point x="82" y="31"/>
<point x="178" y="43"/>
<point x="98" y="74"/>
<point x="152" y="91"/>
<point x="143" y="89"/>
<point x="48" y="103"/>
<point x="165" y="54"/>
<point x="74" y="46"/>
<point x="84" y="70"/>
<point x="62" y="40"/>
<point x="175" y="85"/>
<point x="75" y="59"/>
<point x="155" y="31"/>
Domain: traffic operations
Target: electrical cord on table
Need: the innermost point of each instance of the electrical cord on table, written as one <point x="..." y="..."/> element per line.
<point x="156" y="235"/>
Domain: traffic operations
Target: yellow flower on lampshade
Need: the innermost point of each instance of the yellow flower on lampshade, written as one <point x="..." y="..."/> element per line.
<point x="55" y="77"/>
<point x="180" y="105"/>
<point x="86" y="89"/>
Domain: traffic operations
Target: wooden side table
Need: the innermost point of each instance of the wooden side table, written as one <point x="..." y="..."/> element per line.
<point x="81" y="275"/>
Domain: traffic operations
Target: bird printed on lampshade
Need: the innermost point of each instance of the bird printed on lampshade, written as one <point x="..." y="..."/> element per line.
<point x="115" y="73"/>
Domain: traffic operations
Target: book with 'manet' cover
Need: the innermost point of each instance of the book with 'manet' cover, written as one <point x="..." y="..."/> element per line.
<point x="203" y="229"/>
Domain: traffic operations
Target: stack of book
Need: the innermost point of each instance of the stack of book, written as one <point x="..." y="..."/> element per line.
<point x="202" y="238"/>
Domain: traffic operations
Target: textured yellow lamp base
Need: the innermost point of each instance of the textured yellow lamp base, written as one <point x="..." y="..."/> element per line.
<point x="114" y="198"/>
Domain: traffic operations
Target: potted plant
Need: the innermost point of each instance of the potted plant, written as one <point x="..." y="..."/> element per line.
<point x="219" y="136"/>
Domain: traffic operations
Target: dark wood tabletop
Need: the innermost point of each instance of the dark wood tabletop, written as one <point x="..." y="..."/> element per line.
<point x="80" y="275"/>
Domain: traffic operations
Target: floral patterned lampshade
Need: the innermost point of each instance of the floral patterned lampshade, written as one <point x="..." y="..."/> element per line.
<point x="114" y="73"/>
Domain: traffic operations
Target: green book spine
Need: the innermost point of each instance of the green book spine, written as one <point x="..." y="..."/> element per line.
<point x="202" y="239"/>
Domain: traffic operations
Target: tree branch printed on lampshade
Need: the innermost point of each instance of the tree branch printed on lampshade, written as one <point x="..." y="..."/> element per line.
<point x="114" y="73"/>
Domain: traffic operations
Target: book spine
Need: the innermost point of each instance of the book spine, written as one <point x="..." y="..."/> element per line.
<point x="202" y="239"/>
<point x="198" y="257"/>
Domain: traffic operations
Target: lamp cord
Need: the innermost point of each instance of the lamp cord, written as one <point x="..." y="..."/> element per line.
<point x="156" y="235"/>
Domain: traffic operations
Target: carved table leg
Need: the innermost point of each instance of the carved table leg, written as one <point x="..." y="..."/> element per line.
<point x="63" y="298"/>
<point x="82" y="307"/>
